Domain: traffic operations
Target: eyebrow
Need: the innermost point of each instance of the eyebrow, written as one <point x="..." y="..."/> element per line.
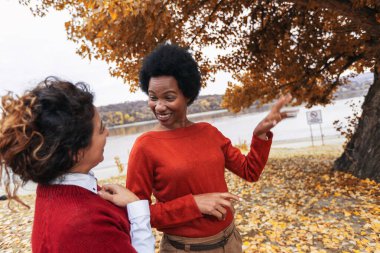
<point x="166" y="92"/>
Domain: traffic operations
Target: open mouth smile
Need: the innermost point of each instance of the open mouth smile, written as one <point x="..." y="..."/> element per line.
<point x="163" y="116"/>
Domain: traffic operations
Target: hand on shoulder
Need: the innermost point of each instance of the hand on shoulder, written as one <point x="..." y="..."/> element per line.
<point x="117" y="194"/>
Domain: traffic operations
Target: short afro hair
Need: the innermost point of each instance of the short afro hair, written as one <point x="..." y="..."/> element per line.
<point x="172" y="60"/>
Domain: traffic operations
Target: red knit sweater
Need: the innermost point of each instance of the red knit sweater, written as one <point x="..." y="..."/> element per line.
<point x="177" y="164"/>
<point x="72" y="219"/>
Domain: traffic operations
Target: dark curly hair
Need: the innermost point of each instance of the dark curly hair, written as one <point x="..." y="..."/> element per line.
<point x="42" y="131"/>
<point x="172" y="60"/>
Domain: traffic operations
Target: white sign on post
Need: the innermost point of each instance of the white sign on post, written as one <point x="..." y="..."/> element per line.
<point x="314" y="117"/>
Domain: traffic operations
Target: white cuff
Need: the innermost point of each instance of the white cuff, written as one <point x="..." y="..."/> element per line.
<point x="138" y="208"/>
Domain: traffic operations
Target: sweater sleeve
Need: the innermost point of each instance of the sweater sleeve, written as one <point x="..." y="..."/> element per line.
<point x="251" y="165"/>
<point x="140" y="180"/>
<point x="95" y="233"/>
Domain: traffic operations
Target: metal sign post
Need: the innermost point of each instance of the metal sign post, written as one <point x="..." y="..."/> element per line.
<point x="315" y="117"/>
<point x="311" y="135"/>
<point x="320" y="129"/>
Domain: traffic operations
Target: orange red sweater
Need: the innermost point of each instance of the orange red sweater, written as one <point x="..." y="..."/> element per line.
<point x="69" y="218"/>
<point x="177" y="164"/>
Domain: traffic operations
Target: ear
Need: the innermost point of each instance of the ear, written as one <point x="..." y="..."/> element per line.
<point x="79" y="156"/>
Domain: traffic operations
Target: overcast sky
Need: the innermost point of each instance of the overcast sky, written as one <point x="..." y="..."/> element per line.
<point x="32" y="48"/>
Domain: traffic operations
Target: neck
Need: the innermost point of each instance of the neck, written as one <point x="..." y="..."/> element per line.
<point x="181" y="124"/>
<point x="79" y="168"/>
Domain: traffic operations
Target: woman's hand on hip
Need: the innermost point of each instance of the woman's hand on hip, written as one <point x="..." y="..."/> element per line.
<point x="215" y="204"/>
<point x="117" y="194"/>
<point x="273" y="118"/>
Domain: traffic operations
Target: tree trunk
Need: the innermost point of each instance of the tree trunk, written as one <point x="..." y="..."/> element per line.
<point x="362" y="154"/>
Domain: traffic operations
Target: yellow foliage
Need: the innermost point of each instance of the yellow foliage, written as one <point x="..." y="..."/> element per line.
<point x="272" y="47"/>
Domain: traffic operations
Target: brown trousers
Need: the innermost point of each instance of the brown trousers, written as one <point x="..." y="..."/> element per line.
<point x="234" y="244"/>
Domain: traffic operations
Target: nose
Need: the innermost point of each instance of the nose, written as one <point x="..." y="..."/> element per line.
<point x="107" y="132"/>
<point x="160" y="106"/>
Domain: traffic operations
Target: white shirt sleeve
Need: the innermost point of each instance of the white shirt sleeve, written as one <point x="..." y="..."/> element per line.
<point x="141" y="232"/>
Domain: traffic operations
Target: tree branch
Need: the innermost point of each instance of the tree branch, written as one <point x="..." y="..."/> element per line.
<point x="350" y="61"/>
<point x="216" y="7"/>
<point x="365" y="17"/>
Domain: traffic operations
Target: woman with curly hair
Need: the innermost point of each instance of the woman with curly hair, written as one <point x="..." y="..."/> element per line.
<point x="182" y="163"/>
<point x="52" y="135"/>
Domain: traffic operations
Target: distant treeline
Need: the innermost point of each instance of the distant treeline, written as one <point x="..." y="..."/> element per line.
<point x="137" y="111"/>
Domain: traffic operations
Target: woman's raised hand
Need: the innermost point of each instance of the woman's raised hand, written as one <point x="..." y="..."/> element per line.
<point x="274" y="117"/>
<point x="117" y="194"/>
<point x="215" y="204"/>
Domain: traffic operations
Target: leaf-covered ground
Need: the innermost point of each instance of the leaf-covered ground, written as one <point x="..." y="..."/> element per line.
<point x="298" y="205"/>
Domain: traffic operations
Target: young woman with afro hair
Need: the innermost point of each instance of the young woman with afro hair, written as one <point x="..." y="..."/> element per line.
<point x="182" y="163"/>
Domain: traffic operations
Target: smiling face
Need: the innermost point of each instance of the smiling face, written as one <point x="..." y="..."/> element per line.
<point x="167" y="102"/>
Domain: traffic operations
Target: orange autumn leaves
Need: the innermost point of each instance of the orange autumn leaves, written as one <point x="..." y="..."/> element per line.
<point x="270" y="47"/>
<point x="298" y="205"/>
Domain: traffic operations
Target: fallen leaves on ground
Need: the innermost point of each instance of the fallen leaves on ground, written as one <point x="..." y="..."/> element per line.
<point x="298" y="205"/>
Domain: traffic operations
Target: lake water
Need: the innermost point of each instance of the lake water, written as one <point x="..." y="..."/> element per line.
<point x="292" y="132"/>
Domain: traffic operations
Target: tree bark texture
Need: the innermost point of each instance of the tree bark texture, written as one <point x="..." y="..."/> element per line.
<point x="361" y="156"/>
